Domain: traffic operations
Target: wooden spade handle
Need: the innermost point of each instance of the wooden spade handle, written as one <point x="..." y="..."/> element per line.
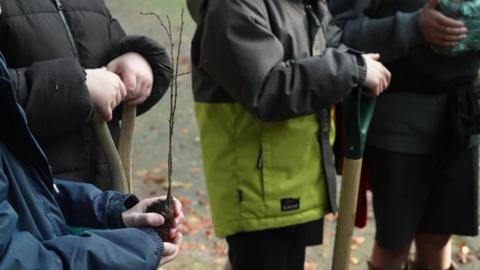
<point x="125" y="145"/>
<point x="346" y="213"/>
<point x="118" y="180"/>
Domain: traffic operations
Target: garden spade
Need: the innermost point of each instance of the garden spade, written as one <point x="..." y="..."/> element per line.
<point x="358" y="114"/>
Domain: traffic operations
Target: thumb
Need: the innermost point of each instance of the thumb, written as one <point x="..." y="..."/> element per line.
<point x="432" y="4"/>
<point x="375" y="56"/>
<point x="151" y="219"/>
<point x="372" y="56"/>
<point x="137" y="219"/>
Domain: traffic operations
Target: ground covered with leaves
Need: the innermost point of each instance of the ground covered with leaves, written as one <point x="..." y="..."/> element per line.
<point x="201" y="249"/>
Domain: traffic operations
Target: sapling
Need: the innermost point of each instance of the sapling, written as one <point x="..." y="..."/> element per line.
<point x="165" y="207"/>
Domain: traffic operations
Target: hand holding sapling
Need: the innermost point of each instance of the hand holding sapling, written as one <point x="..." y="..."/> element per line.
<point x="140" y="216"/>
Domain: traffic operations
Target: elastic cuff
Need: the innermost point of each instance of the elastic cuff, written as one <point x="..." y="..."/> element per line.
<point x="411" y="28"/>
<point x="156" y="240"/>
<point x="117" y="204"/>
<point x="361" y="67"/>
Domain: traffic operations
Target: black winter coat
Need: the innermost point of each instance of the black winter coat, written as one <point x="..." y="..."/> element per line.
<point x="48" y="44"/>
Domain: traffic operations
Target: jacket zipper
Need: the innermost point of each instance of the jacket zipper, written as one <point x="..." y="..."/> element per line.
<point x="59" y="6"/>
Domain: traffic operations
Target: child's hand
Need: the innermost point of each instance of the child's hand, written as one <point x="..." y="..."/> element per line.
<point x="170" y="250"/>
<point x="106" y="90"/>
<point x="439" y="29"/>
<point x="136" y="216"/>
<point x="378" y="76"/>
<point x="136" y="74"/>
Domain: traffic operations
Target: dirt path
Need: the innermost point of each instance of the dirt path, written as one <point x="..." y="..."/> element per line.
<point x="201" y="249"/>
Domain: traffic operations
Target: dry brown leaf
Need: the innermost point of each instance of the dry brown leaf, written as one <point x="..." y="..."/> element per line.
<point x="180" y="185"/>
<point x="155" y="178"/>
<point x="141" y="173"/>
<point x="462" y="258"/>
<point x="209" y="232"/>
<point x="464" y="254"/>
<point x="354" y="260"/>
<point x="185" y="201"/>
<point x="193" y="246"/>
<point x="195" y="170"/>
<point x="163" y="165"/>
<point x="330" y="218"/>
<point x="358" y="240"/>
<point x="193" y="224"/>
<point x="184" y="61"/>
<point x="220" y="248"/>
<point x="156" y="170"/>
<point x="310" y="266"/>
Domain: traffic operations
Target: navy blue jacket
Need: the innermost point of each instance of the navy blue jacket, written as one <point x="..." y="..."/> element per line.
<point x="37" y="211"/>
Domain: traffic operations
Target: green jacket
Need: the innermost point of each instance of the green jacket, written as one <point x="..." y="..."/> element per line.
<point x="265" y="76"/>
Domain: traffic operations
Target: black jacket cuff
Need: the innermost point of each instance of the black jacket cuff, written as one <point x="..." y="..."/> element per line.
<point x="116" y="206"/>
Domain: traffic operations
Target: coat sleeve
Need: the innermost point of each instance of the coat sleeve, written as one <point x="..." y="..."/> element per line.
<point x="155" y="55"/>
<point x="54" y="96"/>
<point x="109" y="249"/>
<point x="238" y="49"/>
<point x="391" y="36"/>
<point x="84" y="205"/>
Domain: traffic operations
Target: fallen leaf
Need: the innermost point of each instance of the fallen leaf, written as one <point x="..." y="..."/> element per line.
<point x="141" y="173"/>
<point x="220" y="248"/>
<point x="193" y="246"/>
<point x="185" y="201"/>
<point x="180" y="185"/>
<point x="184" y="130"/>
<point x="209" y="233"/>
<point x="163" y="165"/>
<point x="354" y="260"/>
<point x="155" y="178"/>
<point x="220" y="262"/>
<point x="184" y="61"/>
<point x="156" y="170"/>
<point x="330" y="218"/>
<point x="357" y="240"/>
<point x="462" y="258"/>
<point x="195" y="170"/>
<point x="462" y="253"/>
<point x="310" y="265"/>
<point x="193" y="224"/>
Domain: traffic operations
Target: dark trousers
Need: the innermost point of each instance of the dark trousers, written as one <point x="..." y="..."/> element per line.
<point x="273" y="249"/>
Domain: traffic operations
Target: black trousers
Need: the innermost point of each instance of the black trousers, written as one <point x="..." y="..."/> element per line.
<point x="273" y="249"/>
